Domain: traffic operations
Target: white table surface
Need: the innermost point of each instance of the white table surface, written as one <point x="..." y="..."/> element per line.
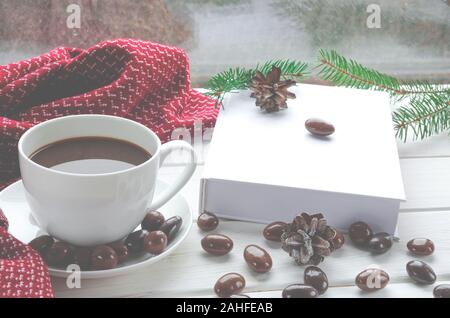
<point x="190" y="272"/>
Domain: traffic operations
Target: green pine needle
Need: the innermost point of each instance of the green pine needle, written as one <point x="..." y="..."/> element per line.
<point x="228" y="81"/>
<point x="290" y="69"/>
<point x="349" y="73"/>
<point x="413" y="88"/>
<point x="425" y="116"/>
<point x="239" y="78"/>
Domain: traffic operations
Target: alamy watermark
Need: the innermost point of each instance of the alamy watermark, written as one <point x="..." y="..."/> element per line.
<point x="73" y="20"/>
<point x="197" y="140"/>
<point x="375" y="279"/>
<point x="374" y="19"/>
<point x="73" y="280"/>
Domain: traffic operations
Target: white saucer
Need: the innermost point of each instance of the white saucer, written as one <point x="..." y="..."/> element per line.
<point x="23" y="227"/>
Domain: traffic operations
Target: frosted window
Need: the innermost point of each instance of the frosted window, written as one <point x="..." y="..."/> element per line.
<point x="412" y="40"/>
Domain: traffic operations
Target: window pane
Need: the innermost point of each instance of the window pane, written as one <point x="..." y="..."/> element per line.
<point x="412" y="39"/>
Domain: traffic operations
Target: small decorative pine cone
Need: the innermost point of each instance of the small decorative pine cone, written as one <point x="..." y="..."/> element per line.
<point x="270" y="92"/>
<point x="308" y="239"/>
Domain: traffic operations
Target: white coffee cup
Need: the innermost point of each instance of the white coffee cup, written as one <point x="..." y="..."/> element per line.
<point x="93" y="209"/>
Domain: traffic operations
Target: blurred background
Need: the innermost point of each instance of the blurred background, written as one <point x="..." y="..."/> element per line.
<point x="412" y="42"/>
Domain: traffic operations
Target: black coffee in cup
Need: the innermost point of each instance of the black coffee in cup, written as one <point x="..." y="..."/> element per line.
<point x="90" y="155"/>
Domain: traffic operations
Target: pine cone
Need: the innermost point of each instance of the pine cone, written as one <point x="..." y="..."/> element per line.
<point x="308" y="239"/>
<point x="271" y="94"/>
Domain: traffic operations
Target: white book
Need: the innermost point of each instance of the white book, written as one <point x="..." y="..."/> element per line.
<point x="266" y="167"/>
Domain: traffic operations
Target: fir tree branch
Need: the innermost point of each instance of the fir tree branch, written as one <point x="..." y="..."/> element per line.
<point x="238" y="78"/>
<point x="229" y="80"/>
<point x="289" y="69"/>
<point x="337" y="69"/>
<point x="424" y="116"/>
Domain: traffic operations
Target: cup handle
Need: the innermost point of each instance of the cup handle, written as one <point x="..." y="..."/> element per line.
<point x="166" y="150"/>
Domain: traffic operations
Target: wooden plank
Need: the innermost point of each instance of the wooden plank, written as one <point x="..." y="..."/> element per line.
<point x="436" y="146"/>
<point x="427" y="183"/>
<point x="190" y="271"/>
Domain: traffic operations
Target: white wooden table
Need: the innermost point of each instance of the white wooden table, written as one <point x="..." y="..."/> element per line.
<point x="190" y="272"/>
